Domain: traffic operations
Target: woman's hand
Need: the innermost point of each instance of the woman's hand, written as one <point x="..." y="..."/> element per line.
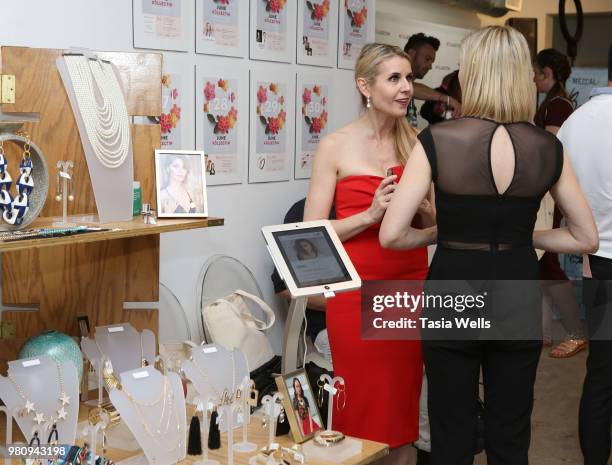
<point x="382" y="198"/>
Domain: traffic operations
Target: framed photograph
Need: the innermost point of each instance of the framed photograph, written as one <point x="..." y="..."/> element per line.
<point x="221" y="28"/>
<point x="356" y="28"/>
<point x="300" y="404"/>
<point x="317" y="32"/>
<point x="162" y="25"/>
<point x="181" y="184"/>
<point x="272" y="30"/>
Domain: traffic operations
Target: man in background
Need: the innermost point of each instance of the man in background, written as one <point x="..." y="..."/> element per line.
<point x="422" y="52"/>
<point x="587" y="139"/>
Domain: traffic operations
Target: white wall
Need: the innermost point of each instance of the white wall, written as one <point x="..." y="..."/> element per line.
<point x="107" y="25"/>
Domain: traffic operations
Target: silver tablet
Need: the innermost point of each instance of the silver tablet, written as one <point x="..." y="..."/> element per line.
<point x="310" y="258"/>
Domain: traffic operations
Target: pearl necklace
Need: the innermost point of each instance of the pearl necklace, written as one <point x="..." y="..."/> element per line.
<point x="101" y="103"/>
<point x="29" y="407"/>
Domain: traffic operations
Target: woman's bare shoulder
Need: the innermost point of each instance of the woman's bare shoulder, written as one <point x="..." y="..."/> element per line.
<point x="338" y="140"/>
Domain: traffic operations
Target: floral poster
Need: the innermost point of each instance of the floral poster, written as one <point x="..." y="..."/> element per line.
<point x="311" y="122"/>
<point x="317" y="32"/>
<point x="170" y="119"/>
<point x="220" y="125"/>
<point x="271" y="131"/>
<point x="356" y="29"/>
<point x="220" y="28"/>
<point x="273" y="30"/>
<point x="160" y="24"/>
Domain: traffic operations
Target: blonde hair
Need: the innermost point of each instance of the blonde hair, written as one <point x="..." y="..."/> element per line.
<point x="497" y="75"/>
<point x="366" y="67"/>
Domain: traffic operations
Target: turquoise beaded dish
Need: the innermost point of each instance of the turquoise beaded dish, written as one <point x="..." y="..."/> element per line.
<point x="56" y="345"/>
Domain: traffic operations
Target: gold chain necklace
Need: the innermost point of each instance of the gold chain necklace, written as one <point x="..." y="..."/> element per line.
<point x="29" y="406"/>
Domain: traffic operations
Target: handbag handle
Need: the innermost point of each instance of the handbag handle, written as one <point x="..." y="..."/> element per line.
<point x="265" y="308"/>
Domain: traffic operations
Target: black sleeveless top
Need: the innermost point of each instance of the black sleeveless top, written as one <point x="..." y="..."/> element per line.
<point x="471" y="213"/>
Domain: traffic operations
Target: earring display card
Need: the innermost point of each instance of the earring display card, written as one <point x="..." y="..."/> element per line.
<point x="356" y="29"/>
<point x="162" y="25"/>
<point x="221" y="121"/>
<point x="273" y="30"/>
<point x="311" y="121"/>
<point x="271" y="114"/>
<point x="221" y="28"/>
<point x="317" y="32"/>
<point x="41" y="393"/>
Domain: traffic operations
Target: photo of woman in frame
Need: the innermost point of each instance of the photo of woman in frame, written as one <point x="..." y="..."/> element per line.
<point x="300" y="405"/>
<point x="181" y="185"/>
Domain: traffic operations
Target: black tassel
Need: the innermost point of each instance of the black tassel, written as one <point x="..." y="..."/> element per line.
<point x="214" y="435"/>
<point x="194" y="445"/>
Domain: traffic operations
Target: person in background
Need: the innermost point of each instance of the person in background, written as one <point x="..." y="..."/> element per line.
<point x="587" y="136"/>
<point x="436" y="112"/>
<point x="422" y="52"/>
<point x="552" y="69"/>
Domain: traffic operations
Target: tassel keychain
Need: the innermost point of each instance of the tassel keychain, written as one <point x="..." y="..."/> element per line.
<point x="194" y="445"/>
<point x="214" y="435"/>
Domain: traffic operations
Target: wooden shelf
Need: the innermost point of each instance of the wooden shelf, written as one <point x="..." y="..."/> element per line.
<point x="120" y="230"/>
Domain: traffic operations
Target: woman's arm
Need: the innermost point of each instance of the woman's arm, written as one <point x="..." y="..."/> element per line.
<point x="322" y="188"/>
<point x="396" y="231"/>
<point x="580" y="235"/>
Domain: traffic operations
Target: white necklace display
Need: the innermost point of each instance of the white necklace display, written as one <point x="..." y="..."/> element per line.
<point x="29" y="408"/>
<point x="222" y="398"/>
<point x="168" y="419"/>
<point x="102" y="107"/>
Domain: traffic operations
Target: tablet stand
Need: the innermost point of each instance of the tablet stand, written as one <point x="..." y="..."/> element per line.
<point x="38" y="379"/>
<point x="154" y="397"/>
<point x="291" y="334"/>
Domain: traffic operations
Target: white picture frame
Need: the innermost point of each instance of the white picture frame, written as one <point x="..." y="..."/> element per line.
<point x="222" y="28"/>
<point x="180" y="181"/>
<point x="317" y="32"/>
<point x="271" y="144"/>
<point x="162" y="25"/>
<point x="355" y="29"/>
<point x="312" y="118"/>
<point x="326" y="249"/>
<point x="272" y="32"/>
<point x="225" y="148"/>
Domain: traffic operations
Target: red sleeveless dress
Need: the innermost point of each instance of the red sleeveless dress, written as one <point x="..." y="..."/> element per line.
<point x="383" y="378"/>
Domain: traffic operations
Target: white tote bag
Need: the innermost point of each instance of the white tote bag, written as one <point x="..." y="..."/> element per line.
<point x="230" y="323"/>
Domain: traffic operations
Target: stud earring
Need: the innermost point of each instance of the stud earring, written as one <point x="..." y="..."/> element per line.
<point x="368" y="102"/>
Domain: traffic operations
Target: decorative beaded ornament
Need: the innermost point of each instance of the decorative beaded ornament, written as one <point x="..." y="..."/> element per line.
<point x="14" y="208"/>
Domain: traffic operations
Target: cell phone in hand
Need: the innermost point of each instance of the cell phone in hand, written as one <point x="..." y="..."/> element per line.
<point x="390" y="173"/>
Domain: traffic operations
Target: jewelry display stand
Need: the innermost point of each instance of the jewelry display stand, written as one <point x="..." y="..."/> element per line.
<point x="334" y="452"/>
<point x="245" y="446"/>
<point x="112" y="184"/>
<point x="8" y="439"/>
<point x="153" y="407"/>
<point x="213" y="370"/>
<point x="63" y="194"/>
<point x="121" y="344"/>
<point x="272" y="408"/>
<point x="42" y="390"/>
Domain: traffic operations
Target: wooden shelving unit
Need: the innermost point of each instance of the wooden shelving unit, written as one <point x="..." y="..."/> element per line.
<point x="120" y="230"/>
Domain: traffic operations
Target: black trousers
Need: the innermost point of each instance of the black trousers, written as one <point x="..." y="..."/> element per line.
<point x="596" y="403"/>
<point x="453" y="371"/>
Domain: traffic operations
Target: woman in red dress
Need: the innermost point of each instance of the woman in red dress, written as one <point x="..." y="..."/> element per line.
<point x="383" y="378"/>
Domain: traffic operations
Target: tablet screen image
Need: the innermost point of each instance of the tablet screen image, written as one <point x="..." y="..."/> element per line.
<point x="311" y="257"/>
